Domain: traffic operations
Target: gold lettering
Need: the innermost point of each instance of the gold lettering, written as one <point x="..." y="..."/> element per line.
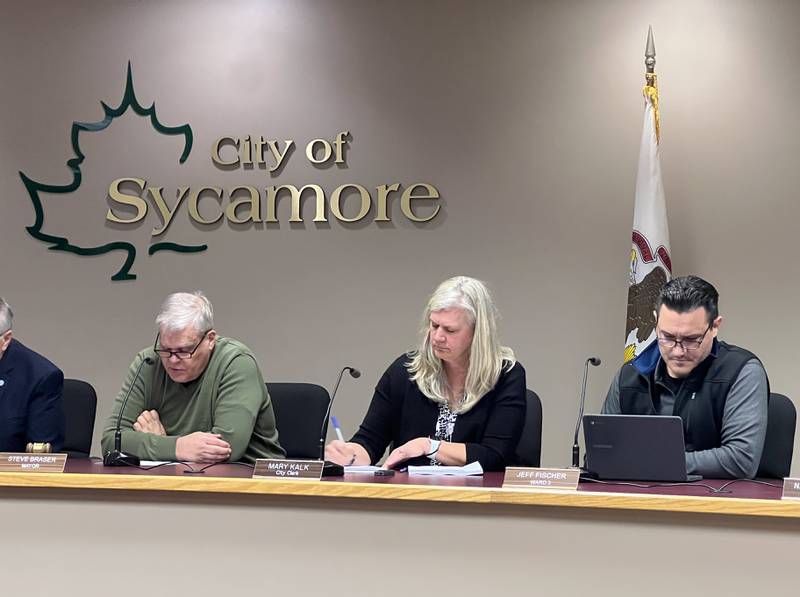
<point x="279" y="156"/>
<point x="272" y="195"/>
<point x="310" y="152"/>
<point x="247" y="157"/>
<point x="258" y="150"/>
<point x="338" y="143"/>
<point x="163" y="208"/>
<point x="408" y="196"/>
<point x="116" y="195"/>
<point x="366" y="202"/>
<point x="383" y="195"/>
<point x="194" y="200"/>
<point x="254" y="200"/>
<point x="217" y="159"/>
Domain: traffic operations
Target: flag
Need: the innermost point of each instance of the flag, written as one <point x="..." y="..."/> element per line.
<point x="650" y="262"/>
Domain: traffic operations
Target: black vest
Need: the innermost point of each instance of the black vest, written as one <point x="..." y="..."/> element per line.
<point x="700" y="402"/>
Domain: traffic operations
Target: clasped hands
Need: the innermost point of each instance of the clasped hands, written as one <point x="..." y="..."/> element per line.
<point x="194" y="447"/>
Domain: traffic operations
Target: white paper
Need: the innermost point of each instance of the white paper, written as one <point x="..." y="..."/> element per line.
<point x="367" y="468"/>
<point x="473" y="468"/>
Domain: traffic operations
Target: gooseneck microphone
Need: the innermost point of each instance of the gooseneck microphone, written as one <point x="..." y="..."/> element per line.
<point x="355" y="374"/>
<point x="576" y="450"/>
<point x="117" y="457"/>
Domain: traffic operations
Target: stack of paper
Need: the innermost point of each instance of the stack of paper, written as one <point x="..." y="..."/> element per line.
<point x="473" y="468"/>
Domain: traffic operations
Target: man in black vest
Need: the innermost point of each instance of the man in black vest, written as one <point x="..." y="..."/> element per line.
<point x="718" y="389"/>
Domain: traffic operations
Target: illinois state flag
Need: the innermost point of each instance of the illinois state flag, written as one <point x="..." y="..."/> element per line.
<point x="651" y="265"/>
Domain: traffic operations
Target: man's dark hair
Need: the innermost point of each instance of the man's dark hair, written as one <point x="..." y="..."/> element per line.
<point x="687" y="294"/>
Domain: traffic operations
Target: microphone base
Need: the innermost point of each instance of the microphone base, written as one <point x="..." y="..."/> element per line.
<point x="118" y="458"/>
<point x="331" y="469"/>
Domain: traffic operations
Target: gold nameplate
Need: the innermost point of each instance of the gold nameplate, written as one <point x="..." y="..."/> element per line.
<point x="542" y="478"/>
<point x="269" y="468"/>
<point x="791" y="489"/>
<point x="20" y="462"/>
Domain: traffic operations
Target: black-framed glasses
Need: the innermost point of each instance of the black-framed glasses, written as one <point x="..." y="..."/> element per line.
<point x="687" y="344"/>
<point x="181" y="353"/>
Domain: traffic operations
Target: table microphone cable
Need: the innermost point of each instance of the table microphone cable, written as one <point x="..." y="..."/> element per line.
<point x="213" y="464"/>
<point x="713" y="490"/>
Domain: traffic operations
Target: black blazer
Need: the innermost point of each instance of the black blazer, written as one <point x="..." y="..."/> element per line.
<point x="31" y="400"/>
<point x="399" y="412"/>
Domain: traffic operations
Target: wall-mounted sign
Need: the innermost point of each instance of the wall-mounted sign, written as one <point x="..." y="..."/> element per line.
<point x="132" y="195"/>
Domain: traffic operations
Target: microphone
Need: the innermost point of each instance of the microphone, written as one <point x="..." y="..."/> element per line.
<point x="331" y="468"/>
<point x="117" y="457"/>
<point x="576" y="451"/>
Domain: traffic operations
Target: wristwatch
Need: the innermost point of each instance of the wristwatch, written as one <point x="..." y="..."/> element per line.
<point x="434" y="448"/>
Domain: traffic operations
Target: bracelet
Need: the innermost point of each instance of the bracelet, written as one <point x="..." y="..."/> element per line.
<point x="435" y="443"/>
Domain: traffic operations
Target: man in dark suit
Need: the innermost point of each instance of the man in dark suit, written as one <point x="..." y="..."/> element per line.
<point x="31" y="389"/>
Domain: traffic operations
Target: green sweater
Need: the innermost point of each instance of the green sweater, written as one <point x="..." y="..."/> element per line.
<point x="229" y="398"/>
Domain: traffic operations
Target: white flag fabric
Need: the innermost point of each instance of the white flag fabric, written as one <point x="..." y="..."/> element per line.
<point x="650" y="261"/>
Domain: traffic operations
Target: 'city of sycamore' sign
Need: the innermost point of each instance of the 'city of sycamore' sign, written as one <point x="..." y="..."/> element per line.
<point x="131" y="198"/>
<point x="243" y="204"/>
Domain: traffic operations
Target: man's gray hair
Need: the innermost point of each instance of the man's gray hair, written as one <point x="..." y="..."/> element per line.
<point x="6" y="316"/>
<point x="183" y="309"/>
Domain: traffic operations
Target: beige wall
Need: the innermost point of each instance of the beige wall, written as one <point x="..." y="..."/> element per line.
<point x="525" y="115"/>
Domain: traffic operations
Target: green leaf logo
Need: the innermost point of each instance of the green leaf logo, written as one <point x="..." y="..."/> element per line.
<point x="34" y="188"/>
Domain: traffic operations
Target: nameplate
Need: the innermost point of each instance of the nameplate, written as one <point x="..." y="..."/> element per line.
<point x="542" y="478"/>
<point x="791" y="489"/>
<point x="22" y="462"/>
<point x="269" y="468"/>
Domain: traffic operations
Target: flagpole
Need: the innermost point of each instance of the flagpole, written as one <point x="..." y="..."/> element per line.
<point x="650" y="263"/>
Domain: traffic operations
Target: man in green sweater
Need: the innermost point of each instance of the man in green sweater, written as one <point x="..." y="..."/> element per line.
<point x="203" y="399"/>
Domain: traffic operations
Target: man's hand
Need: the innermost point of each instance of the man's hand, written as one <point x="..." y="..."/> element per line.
<point x="202" y="447"/>
<point x="416" y="447"/>
<point x="148" y="422"/>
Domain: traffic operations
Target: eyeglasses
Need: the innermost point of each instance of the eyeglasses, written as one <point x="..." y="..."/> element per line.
<point x="687" y="344"/>
<point x="182" y="354"/>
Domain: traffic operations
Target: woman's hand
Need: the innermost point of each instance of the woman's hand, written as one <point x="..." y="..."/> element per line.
<point x="416" y="447"/>
<point x="346" y="453"/>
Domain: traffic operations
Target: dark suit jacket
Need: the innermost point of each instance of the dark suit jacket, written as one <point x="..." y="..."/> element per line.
<point x="31" y="402"/>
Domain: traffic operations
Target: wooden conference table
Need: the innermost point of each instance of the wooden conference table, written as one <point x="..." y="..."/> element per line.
<point x="95" y="530"/>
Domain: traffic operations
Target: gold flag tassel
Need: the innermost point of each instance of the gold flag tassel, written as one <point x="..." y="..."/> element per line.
<point x="650" y="90"/>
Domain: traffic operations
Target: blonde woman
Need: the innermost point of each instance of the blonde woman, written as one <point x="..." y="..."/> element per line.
<point x="457" y="399"/>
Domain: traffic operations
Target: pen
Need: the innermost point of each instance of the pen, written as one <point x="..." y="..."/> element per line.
<point x="336" y="428"/>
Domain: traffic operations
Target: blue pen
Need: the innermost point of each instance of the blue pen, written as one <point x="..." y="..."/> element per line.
<point x="336" y="428"/>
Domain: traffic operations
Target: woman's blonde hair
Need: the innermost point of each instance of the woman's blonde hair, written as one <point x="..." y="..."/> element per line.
<point x="486" y="357"/>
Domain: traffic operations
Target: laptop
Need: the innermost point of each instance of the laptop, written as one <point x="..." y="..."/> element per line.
<point x="635" y="448"/>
